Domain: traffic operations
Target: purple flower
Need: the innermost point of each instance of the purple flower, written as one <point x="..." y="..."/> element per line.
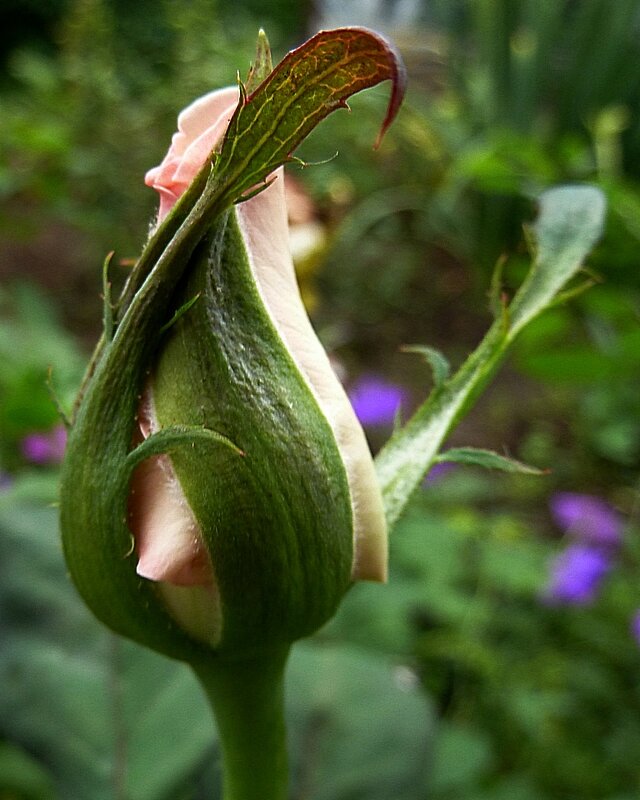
<point x="588" y="518"/>
<point x="576" y="575"/>
<point x="635" y="626"/>
<point x="45" y="448"/>
<point x="438" y="471"/>
<point x="376" y="401"/>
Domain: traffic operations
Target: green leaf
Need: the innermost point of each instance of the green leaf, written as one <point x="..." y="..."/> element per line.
<point x="438" y="363"/>
<point x="111" y="720"/>
<point x="462" y="756"/>
<point x="21" y="776"/>
<point x="107" y="718"/>
<point x="569" y="223"/>
<point x="362" y="728"/>
<point x="478" y="457"/>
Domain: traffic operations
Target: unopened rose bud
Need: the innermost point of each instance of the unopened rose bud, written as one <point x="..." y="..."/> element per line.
<point x="218" y="493"/>
<point x="302" y="507"/>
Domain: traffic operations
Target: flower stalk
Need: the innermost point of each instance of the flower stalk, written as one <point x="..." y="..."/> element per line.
<point x="247" y="699"/>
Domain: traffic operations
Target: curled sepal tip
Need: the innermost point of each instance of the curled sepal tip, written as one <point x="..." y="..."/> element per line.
<point x="347" y="60"/>
<point x="305" y="87"/>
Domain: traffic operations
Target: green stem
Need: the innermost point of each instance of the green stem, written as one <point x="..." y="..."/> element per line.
<point x="247" y="698"/>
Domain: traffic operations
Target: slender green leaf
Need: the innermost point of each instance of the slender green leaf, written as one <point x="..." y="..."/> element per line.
<point x="180" y="312"/>
<point x="477" y="457"/>
<point x="462" y="756"/>
<point x="21" y="776"/>
<point x="174" y="437"/>
<point x="569" y="223"/>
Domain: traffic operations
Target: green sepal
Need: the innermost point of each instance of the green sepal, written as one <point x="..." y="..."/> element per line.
<point x="172" y="438"/>
<point x="277" y="523"/>
<point x="269" y="124"/>
<point x="309" y="83"/>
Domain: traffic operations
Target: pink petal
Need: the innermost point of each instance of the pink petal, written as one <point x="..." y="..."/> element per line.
<point x="167" y="537"/>
<point x="200" y="127"/>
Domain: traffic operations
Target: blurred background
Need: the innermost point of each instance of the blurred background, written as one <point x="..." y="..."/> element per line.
<point x="502" y="661"/>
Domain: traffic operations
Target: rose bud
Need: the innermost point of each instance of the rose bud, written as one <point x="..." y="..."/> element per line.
<point x="218" y="494"/>
<point x="276" y="536"/>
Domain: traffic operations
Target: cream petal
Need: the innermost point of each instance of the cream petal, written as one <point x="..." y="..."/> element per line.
<point x="263" y="222"/>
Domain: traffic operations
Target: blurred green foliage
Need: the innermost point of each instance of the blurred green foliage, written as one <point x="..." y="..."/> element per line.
<point x="32" y="343"/>
<point x="534" y="701"/>
<point x="507" y="97"/>
<point x="104" y="718"/>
